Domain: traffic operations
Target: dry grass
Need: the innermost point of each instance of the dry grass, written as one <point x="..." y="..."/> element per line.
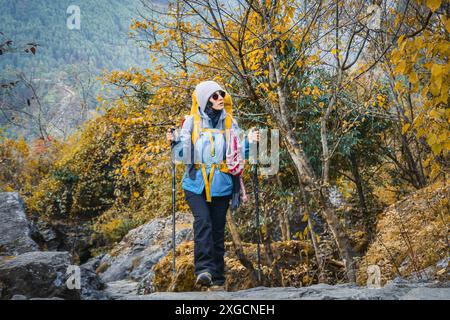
<point x="294" y="260"/>
<point x="412" y="235"/>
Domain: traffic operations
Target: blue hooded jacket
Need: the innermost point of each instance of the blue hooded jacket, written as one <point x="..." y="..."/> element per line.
<point x="222" y="183"/>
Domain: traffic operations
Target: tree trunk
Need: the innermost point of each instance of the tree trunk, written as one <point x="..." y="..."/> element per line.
<point x="320" y="194"/>
<point x="342" y="240"/>
<point x="361" y="197"/>
<point x="305" y="173"/>
<point x="416" y="176"/>
<point x="319" y="256"/>
<point x="238" y="249"/>
<point x="283" y="217"/>
<point x="277" y="278"/>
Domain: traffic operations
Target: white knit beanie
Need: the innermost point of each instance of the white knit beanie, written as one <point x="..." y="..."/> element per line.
<point x="204" y="90"/>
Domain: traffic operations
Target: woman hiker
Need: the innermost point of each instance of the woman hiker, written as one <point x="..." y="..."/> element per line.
<point x="209" y="196"/>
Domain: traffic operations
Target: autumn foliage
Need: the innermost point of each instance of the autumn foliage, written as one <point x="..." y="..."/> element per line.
<point x="362" y="112"/>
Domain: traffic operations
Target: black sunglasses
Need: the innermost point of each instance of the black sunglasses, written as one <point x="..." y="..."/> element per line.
<point x="215" y="96"/>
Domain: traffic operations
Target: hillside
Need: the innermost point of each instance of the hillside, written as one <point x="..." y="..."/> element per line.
<point x="64" y="68"/>
<point x="101" y="41"/>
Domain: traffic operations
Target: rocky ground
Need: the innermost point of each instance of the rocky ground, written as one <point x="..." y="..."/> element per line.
<point x="396" y="290"/>
<point x="31" y="271"/>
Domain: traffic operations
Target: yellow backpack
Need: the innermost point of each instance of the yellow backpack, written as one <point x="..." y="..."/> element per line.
<point x="228" y="105"/>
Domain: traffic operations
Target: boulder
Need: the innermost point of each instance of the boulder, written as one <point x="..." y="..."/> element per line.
<point x="92" y="287"/>
<point x="36" y="275"/>
<point x="134" y="257"/>
<point x="14" y="226"/>
<point x="63" y="234"/>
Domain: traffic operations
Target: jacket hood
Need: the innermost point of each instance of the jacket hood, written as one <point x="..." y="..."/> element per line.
<point x="204" y="90"/>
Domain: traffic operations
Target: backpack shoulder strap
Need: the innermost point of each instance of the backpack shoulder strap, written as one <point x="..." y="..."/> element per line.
<point x="197" y="120"/>
<point x="196" y="128"/>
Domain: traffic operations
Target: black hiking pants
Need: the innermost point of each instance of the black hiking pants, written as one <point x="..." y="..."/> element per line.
<point x="209" y="230"/>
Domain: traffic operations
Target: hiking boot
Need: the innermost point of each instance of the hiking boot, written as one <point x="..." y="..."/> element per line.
<point x="204" y="279"/>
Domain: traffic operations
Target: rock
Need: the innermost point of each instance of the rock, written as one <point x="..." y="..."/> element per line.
<point x="61" y="234"/>
<point x="427" y="294"/>
<point x="134" y="257"/>
<point x="92" y="287"/>
<point x="121" y="289"/>
<point x="14" y="226"/>
<point x="393" y="291"/>
<point x="19" y="297"/>
<point x="93" y="263"/>
<point x="36" y="274"/>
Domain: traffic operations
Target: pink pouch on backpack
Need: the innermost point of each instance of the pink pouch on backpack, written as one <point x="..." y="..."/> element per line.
<point x="234" y="160"/>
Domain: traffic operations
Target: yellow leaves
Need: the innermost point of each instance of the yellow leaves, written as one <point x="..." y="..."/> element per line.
<point x="435" y="169"/>
<point x="316" y="91"/>
<point x="419" y="43"/>
<point x="254" y="66"/>
<point x="112" y="225"/>
<point x="401" y="42"/>
<point x="436" y="132"/>
<point x="8" y="189"/>
<point x="272" y="96"/>
<point x="290" y="10"/>
<point x="400" y="68"/>
<point x="381" y="100"/>
<point x="138" y="25"/>
<point x="413" y="78"/>
<point x="433" y="141"/>
<point x="433" y="4"/>
<point x="443" y="48"/>
<point x="405" y="127"/>
<point x="398" y="86"/>
<point x="446" y="22"/>
<point x="138" y="79"/>
<point x="437" y="70"/>
<point x="395" y="56"/>
<point x="307" y="91"/>
<point x="313" y="59"/>
<point x="437" y="74"/>
<point x="263" y="87"/>
<point x="295" y="94"/>
<point x="334" y="51"/>
<point x="422" y="62"/>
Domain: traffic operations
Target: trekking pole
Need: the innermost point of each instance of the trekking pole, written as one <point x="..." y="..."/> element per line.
<point x="255" y="181"/>
<point x="172" y="144"/>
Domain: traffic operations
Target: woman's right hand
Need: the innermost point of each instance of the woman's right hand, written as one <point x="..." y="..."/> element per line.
<point x="169" y="135"/>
